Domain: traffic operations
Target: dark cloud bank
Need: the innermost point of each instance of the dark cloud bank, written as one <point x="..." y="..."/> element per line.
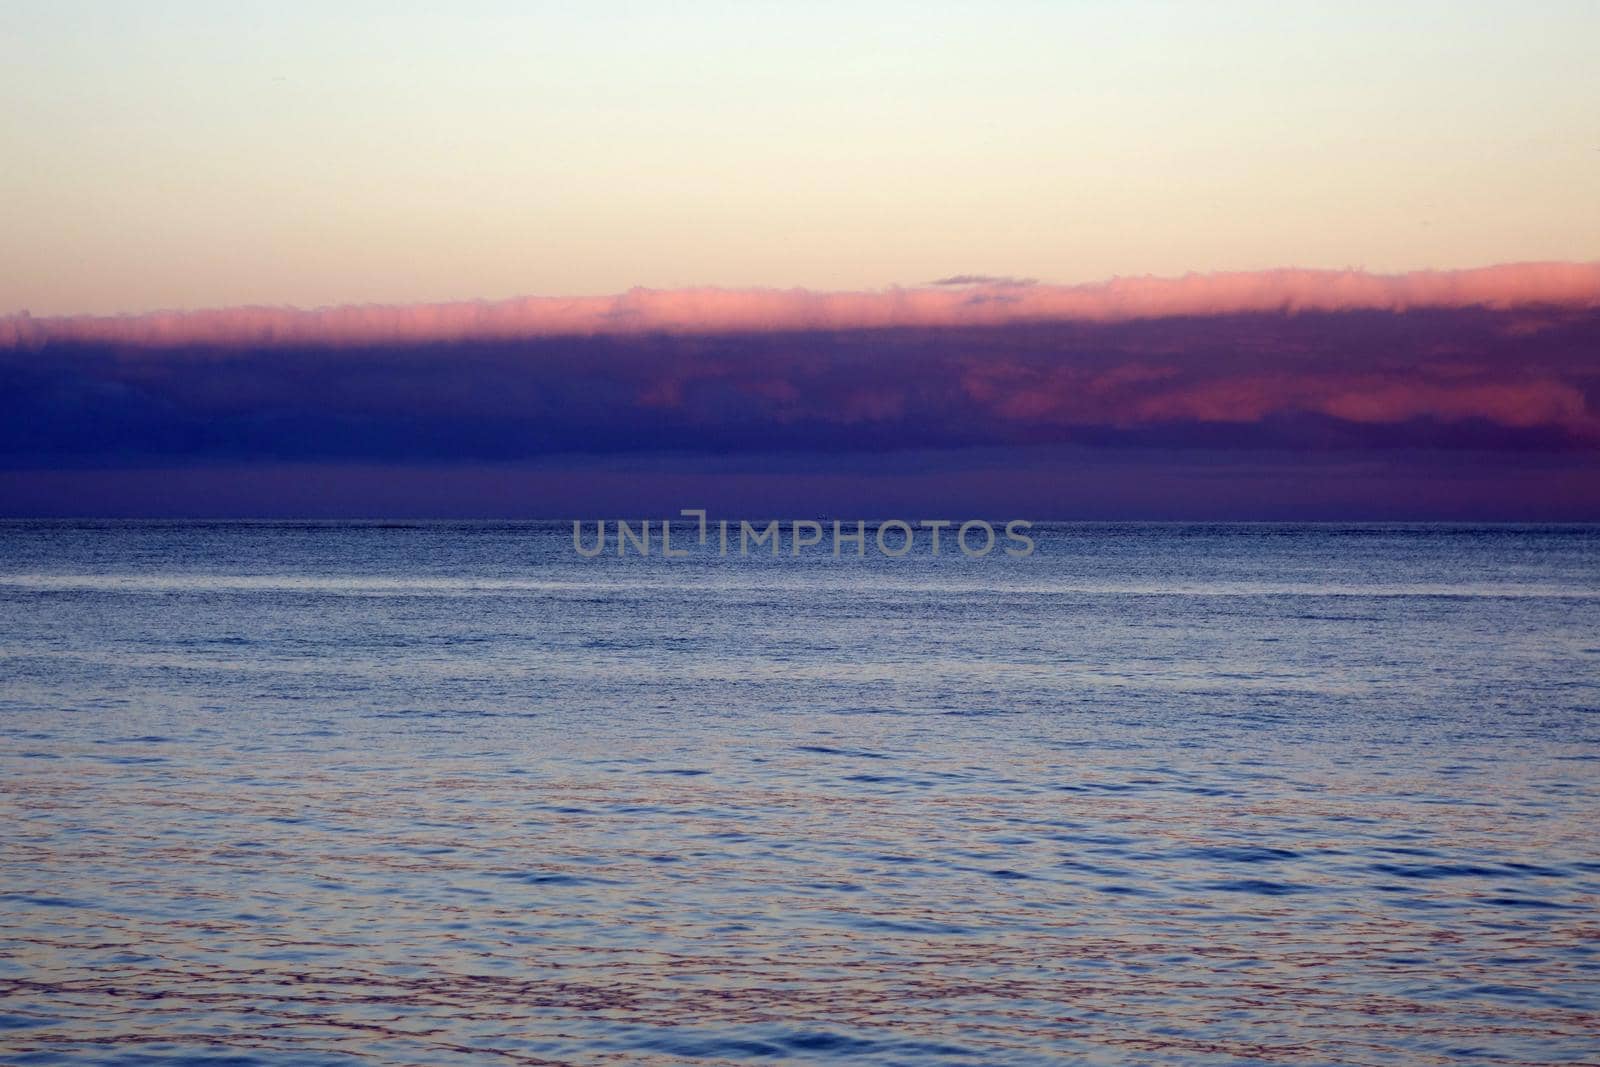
<point x="1468" y="411"/>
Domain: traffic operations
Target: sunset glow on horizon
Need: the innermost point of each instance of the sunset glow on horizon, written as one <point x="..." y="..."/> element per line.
<point x="963" y="300"/>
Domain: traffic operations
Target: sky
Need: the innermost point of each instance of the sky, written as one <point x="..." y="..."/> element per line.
<point x="182" y="155"/>
<point x="809" y="257"/>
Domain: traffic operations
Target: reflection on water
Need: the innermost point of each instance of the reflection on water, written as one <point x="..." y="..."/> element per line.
<point x="320" y="794"/>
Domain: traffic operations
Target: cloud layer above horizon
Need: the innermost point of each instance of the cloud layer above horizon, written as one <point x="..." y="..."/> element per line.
<point x="1502" y="361"/>
<point x="960" y="300"/>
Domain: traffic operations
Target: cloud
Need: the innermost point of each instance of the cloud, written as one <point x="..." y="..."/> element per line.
<point x="1000" y="280"/>
<point x="1502" y="366"/>
<point x="975" y="301"/>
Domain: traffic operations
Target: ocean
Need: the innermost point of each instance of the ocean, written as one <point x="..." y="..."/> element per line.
<point x="439" y="793"/>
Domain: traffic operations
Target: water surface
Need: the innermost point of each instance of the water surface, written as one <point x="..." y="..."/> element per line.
<point x="447" y="793"/>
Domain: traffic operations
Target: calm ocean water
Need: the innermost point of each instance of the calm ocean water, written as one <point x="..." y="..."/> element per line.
<point x="447" y="793"/>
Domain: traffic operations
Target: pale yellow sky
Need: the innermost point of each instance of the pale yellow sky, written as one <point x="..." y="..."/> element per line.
<point x="193" y="155"/>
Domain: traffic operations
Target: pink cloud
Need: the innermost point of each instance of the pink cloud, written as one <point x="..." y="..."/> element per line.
<point x="724" y="311"/>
